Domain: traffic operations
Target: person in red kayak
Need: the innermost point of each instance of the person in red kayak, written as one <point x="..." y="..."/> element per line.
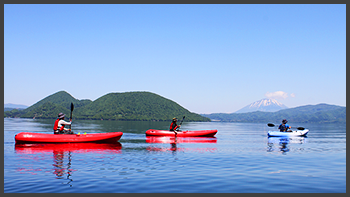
<point x="174" y="126"/>
<point x="58" y="127"/>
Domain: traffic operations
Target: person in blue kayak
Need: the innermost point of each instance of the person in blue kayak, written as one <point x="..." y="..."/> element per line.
<point x="174" y="126"/>
<point x="58" y="127"/>
<point x="284" y="126"/>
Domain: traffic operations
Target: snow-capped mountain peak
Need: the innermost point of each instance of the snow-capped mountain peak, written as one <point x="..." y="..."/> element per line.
<point x="266" y="105"/>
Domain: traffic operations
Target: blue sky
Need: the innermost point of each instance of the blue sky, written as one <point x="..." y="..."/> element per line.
<point x="207" y="58"/>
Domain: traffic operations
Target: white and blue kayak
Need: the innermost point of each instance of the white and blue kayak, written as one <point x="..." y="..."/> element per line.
<point x="288" y="133"/>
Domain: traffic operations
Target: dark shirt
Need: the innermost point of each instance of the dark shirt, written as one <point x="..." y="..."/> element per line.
<point x="173" y="126"/>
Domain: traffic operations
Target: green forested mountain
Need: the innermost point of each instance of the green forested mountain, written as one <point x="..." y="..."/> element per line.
<point x="135" y="106"/>
<point x="113" y="106"/>
<point x="49" y="107"/>
<point x="320" y="113"/>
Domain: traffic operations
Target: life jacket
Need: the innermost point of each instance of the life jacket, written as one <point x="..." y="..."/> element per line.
<point x="55" y="126"/>
<point x="282" y="127"/>
<point x="173" y="126"/>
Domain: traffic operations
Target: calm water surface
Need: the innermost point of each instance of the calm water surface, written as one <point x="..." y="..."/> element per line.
<point x="240" y="159"/>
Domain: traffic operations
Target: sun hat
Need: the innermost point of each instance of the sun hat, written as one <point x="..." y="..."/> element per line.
<point x="284" y="121"/>
<point x="61" y="115"/>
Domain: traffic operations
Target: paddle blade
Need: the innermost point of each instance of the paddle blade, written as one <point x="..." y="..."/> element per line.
<point x="300" y="128"/>
<point x="270" y="125"/>
<point x="71" y="107"/>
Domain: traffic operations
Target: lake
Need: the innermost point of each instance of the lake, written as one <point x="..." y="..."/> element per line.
<point x="239" y="159"/>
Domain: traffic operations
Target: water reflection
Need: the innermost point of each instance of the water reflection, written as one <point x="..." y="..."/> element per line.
<point x="66" y="147"/>
<point x="59" y="167"/>
<point x="170" y="139"/>
<point x="62" y="154"/>
<point x="174" y="141"/>
<point x="283" y="143"/>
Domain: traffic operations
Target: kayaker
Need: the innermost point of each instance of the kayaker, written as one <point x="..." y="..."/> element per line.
<point x="284" y="126"/>
<point x="174" y="126"/>
<point x="58" y="127"/>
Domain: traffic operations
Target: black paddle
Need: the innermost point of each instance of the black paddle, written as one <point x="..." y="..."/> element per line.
<point x="71" y="111"/>
<point x="272" y="125"/>
<point x="182" y="120"/>
<point x="179" y="125"/>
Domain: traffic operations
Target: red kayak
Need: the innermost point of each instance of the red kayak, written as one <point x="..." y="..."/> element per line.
<point x="201" y="133"/>
<point x="28" y="137"/>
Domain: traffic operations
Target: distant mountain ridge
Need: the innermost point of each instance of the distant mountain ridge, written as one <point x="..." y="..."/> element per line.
<point x="10" y="106"/>
<point x="321" y="113"/>
<point x="15" y="106"/>
<point x="144" y="106"/>
<point x="148" y="106"/>
<point x="265" y="105"/>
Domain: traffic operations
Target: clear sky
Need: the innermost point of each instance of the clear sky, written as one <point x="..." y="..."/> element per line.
<point x="207" y="58"/>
